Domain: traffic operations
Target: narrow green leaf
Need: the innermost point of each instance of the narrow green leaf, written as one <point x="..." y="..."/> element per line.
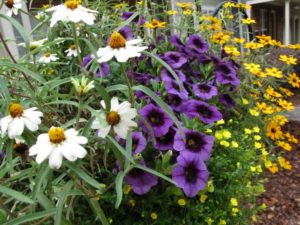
<point x="16" y="195"/>
<point x="104" y="95"/>
<point x="128" y="147"/>
<point x="63" y="102"/>
<point x="128" y="21"/>
<point x="98" y="211"/>
<point x="117" y="87"/>
<point x="31" y="217"/>
<point x="40" y="177"/>
<point x="87" y="126"/>
<point x="4" y="90"/>
<point x="121" y="149"/>
<point x="60" y="207"/>
<point x="119" y="188"/>
<point x="83" y="175"/>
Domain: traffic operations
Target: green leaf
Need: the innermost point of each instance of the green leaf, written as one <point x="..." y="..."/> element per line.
<point x="121" y="149"/>
<point x="4" y="90"/>
<point x="83" y="175"/>
<point x="87" y="126"/>
<point x="154" y="173"/>
<point x="31" y="217"/>
<point x="40" y="178"/>
<point x="162" y="104"/>
<point x="128" y="147"/>
<point x="117" y="87"/>
<point x="104" y="95"/>
<point x="119" y="188"/>
<point x="98" y="211"/>
<point x="21" y="68"/>
<point x="15" y="194"/>
<point x="128" y="21"/>
<point x="61" y="203"/>
<point x="63" y="102"/>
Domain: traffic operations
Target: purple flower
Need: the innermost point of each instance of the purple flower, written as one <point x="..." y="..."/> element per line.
<point x="141" y="78"/>
<point x="205" y="91"/>
<point x="205" y="112"/>
<point x="157" y="119"/>
<point x="86" y="63"/>
<point x="127" y="15"/>
<point x="126" y="32"/>
<point x="176" y="101"/>
<point x="227" y="100"/>
<point x="190" y="174"/>
<point x="166" y="75"/>
<point x="140" y="180"/>
<point x="174" y="59"/>
<point x="197" y="144"/>
<point x="172" y="87"/>
<point x="225" y="74"/>
<point x="176" y="41"/>
<point x="166" y="141"/>
<point x="197" y="44"/>
<point x="139" y="142"/>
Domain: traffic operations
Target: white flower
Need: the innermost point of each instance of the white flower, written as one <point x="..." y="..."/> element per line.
<point x="120" y="48"/>
<point x="47" y="58"/>
<point x="34" y="44"/>
<point x="72" y="51"/>
<point x="82" y="87"/>
<point x="13" y="7"/>
<point x="119" y="119"/>
<point x="72" y="11"/>
<point x="57" y="144"/>
<point x="18" y="119"/>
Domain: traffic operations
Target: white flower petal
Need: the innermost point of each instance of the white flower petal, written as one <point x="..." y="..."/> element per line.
<point x="102" y="51"/>
<point x="66" y="150"/>
<point x="122" y="55"/>
<point x="107" y="56"/>
<point x="55" y="159"/>
<point x="30" y="125"/>
<point x="121" y="129"/>
<point x="78" y="151"/>
<point x="133" y="42"/>
<point x="114" y="104"/>
<point x="4" y="123"/>
<point x="103" y="131"/>
<point x="16" y="127"/>
<point x="43" y="152"/>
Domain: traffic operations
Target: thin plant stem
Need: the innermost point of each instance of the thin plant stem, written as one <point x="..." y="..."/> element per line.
<point x="76" y="44"/>
<point x="130" y="91"/>
<point x="78" y="113"/>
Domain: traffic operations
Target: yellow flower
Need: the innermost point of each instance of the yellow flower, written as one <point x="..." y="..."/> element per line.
<point x="293" y="80"/>
<point x="274" y="131"/>
<point x="231" y="50"/>
<point x="121" y="5"/>
<point x="248" y="21"/>
<point x="273" y="72"/>
<point x="225" y="143"/>
<point x="253" y="68"/>
<point x="131" y="202"/>
<point x="234" y="144"/>
<point x="234" y="211"/>
<point x="291" y="138"/>
<point x="222" y="222"/>
<point x="257" y="137"/>
<point x="286" y="91"/>
<point x="229" y="5"/>
<point x="254" y="112"/>
<point x="286" y="105"/>
<point x="286" y="146"/>
<point x="229" y="16"/>
<point x="209" y="221"/>
<point x="253" y="45"/>
<point x="239" y="40"/>
<point x="220" y="38"/>
<point x="203" y="198"/>
<point x="154" y="24"/>
<point x="284" y="163"/>
<point x="273" y="168"/>
<point x="262" y="106"/>
<point x="187" y="12"/>
<point x="181" y="202"/>
<point x="280" y="119"/>
<point x="234" y="202"/>
<point x="220" y="122"/>
<point x="247" y="131"/>
<point x="208" y="131"/>
<point x="154" y="216"/>
<point x="184" y="5"/>
<point x="226" y="134"/>
<point x="245" y="101"/>
<point x="126" y="189"/>
<point x="290" y="60"/>
<point x="256" y="129"/>
<point x="257" y="145"/>
<point x="171" y="12"/>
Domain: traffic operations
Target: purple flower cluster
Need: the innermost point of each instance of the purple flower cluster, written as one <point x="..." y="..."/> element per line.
<point x="191" y="91"/>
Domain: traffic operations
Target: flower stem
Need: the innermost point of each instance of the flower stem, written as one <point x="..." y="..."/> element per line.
<point x="78" y="112"/>
<point x="76" y="44"/>
<point x="130" y="91"/>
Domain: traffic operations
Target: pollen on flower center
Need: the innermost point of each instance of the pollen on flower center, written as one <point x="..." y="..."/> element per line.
<point x="72" y="4"/>
<point x="47" y="54"/>
<point x="56" y="135"/>
<point x="15" y="110"/>
<point x="9" y="3"/>
<point x="113" y="118"/>
<point x="191" y="142"/>
<point x="73" y="47"/>
<point x="117" y="40"/>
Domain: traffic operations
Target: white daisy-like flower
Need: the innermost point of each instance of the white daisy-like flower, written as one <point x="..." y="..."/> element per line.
<point x="72" y="11"/>
<point x="18" y="119"/>
<point x="120" y="48"/>
<point x="13" y="7"/>
<point x="34" y="44"/>
<point x="48" y="57"/>
<point x="58" y="144"/>
<point x="72" y="51"/>
<point x="120" y="119"/>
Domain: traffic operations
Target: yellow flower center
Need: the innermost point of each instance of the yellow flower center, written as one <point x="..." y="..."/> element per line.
<point x="56" y="135"/>
<point x="72" y="4"/>
<point x="73" y="47"/>
<point x="9" y="3"/>
<point x="117" y="40"/>
<point x="47" y="54"/>
<point x="113" y="118"/>
<point x="15" y="110"/>
<point x="191" y="142"/>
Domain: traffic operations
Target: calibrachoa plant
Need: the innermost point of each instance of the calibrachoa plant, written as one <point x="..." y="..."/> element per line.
<point x="116" y="115"/>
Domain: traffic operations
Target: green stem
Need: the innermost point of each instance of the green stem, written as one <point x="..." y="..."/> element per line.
<point x="77" y="44"/>
<point x="130" y="91"/>
<point x="78" y="112"/>
<point x="99" y="212"/>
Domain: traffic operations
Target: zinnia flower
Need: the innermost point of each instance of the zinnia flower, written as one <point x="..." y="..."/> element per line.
<point x="48" y="57"/>
<point x="157" y="119"/>
<point x="18" y="119"/>
<point x="57" y="144"/>
<point x="190" y="174"/>
<point x="121" y="48"/>
<point x="120" y="119"/>
<point x="72" y="11"/>
<point x="72" y="51"/>
<point x="13" y="7"/>
<point x="196" y="145"/>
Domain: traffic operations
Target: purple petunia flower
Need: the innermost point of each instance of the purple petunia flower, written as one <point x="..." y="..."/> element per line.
<point x="176" y="41"/>
<point x="139" y="142"/>
<point x="197" y="45"/>
<point x="197" y="144"/>
<point x="166" y="75"/>
<point x="225" y="74"/>
<point x="156" y="118"/>
<point x="86" y="63"/>
<point x="176" y="101"/>
<point x="205" y="91"/>
<point x="174" y="59"/>
<point x="127" y="15"/>
<point x="227" y="100"/>
<point x="166" y="141"/>
<point x="190" y="174"/>
<point x="140" y="180"/>
<point x="172" y="87"/>
<point x="205" y="112"/>
<point x="141" y="78"/>
<point x="126" y="32"/>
